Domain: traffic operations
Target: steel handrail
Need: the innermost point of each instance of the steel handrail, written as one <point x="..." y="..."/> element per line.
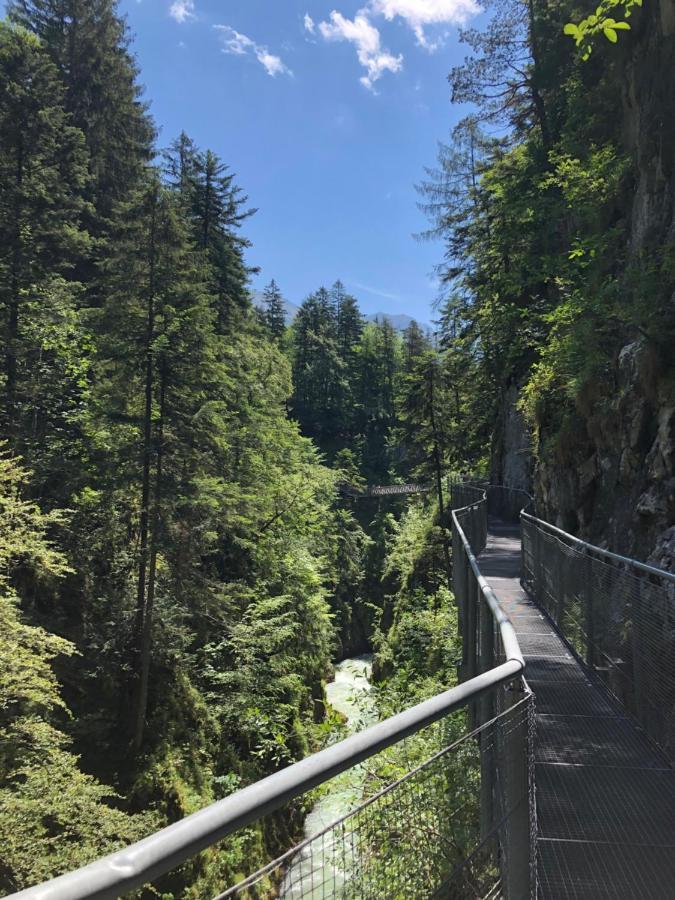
<point x="153" y="856"/>
<point x="599" y="551"/>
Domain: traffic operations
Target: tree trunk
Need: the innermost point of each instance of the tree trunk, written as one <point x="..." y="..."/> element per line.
<point x="146" y="635"/>
<point x="537" y="98"/>
<point x="142" y="652"/>
<point x="439" y="476"/>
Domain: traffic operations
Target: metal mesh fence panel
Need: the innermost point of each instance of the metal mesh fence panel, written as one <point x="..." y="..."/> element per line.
<point x="426" y="834"/>
<point x="618" y="618"/>
<point x="462" y="824"/>
<point x="503" y="502"/>
<point x="473" y="518"/>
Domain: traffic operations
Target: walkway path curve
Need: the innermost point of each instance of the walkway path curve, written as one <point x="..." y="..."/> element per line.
<point x="605" y="795"/>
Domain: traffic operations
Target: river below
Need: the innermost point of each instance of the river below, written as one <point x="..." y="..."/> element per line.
<point x="349" y="694"/>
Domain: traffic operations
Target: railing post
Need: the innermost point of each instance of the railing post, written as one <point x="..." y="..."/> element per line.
<point x="517" y="877"/>
<point x="637" y="655"/>
<point x="463" y="598"/>
<point x="470" y="636"/>
<point x="459" y="584"/>
<point x="487" y="750"/>
<point x="559" y="586"/>
<point x="587" y="600"/>
<point x="524" y="552"/>
<point x="539" y="569"/>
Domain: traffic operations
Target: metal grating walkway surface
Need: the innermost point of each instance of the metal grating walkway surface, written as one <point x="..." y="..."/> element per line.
<point x="605" y="795"/>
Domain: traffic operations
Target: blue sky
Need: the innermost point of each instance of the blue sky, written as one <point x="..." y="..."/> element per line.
<point x="328" y="121"/>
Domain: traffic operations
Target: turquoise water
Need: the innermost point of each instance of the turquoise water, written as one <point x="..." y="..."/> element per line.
<point x="349" y="694"/>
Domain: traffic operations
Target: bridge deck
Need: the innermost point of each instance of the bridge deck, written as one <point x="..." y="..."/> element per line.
<point x="605" y="795"/>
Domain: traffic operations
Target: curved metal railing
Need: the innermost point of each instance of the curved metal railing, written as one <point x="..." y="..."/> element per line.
<point x="492" y="660"/>
<point x="616" y="614"/>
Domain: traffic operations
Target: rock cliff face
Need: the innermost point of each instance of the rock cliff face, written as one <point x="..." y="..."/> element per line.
<point x="615" y="485"/>
<point x="512" y="445"/>
<point x="612" y="479"/>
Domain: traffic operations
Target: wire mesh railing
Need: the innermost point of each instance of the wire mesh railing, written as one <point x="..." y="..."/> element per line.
<point x="458" y="823"/>
<point x="468" y="503"/>
<point x="483" y="648"/>
<point x="503" y="502"/>
<point x="422" y="835"/>
<point x="461" y="824"/>
<point x="618" y="615"/>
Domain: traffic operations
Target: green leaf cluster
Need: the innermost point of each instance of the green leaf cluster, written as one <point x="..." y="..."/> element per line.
<point x="586" y="30"/>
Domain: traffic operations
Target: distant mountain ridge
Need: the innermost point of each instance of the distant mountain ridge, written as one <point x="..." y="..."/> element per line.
<point x="398" y="321"/>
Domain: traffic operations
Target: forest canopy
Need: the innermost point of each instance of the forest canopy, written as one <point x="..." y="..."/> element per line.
<point x="180" y="563"/>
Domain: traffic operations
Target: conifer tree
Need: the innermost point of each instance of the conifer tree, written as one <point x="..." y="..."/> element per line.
<point x="216" y="208"/>
<point x="349" y="327"/>
<point x="181" y="168"/>
<point x="42" y="174"/>
<point x="53" y="816"/>
<point x="349" y="323"/>
<point x="415" y="344"/>
<point x="219" y="212"/>
<point x="317" y="366"/>
<point x="379" y="364"/>
<point x="156" y="338"/>
<point x="89" y="43"/>
<point x="274" y="314"/>
<point x="423" y="413"/>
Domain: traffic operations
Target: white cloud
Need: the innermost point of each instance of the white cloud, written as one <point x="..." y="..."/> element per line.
<point x="386" y="295"/>
<point x="182" y="10"/>
<point x="274" y="65"/>
<point x="418" y="13"/>
<point x="239" y="44"/>
<point x="309" y="24"/>
<point x="233" y="41"/>
<point x="360" y="32"/>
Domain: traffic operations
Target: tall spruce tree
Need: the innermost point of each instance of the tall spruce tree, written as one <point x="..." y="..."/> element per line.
<point x="42" y="176"/>
<point x="349" y="328"/>
<point x="89" y="44"/>
<point x="415" y="343"/>
<point x="379" y="364"/>
<point x="217" y="209"/>
<point x="274" y="314"/>
<point x="219" y="212"/>
<point x="156" y="339"/>
<point x="317" y="366"/>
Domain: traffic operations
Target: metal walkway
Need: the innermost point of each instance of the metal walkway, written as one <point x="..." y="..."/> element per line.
<point x="563" y="795"/>
<point x="605" y="795"/>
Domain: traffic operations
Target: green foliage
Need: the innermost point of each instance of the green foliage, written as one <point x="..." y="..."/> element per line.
<point x="88" y="43"/>
<point x="582" y="326"/>
<point x="416" y="659"/>
<point x="543" y="286"/>
<point x="42" y="177"/>
<point x="274" y="314"/>
<point x="419" y="646"/>
<point x="600" y="22"/>
<point x="346" y="380"/>
<point x="53" y="816"/>
<point x="200" y="554"/>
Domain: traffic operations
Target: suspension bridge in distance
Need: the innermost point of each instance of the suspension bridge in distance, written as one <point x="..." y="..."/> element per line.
<point x="545" y="772"/>
<point x="371" y="491"/>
